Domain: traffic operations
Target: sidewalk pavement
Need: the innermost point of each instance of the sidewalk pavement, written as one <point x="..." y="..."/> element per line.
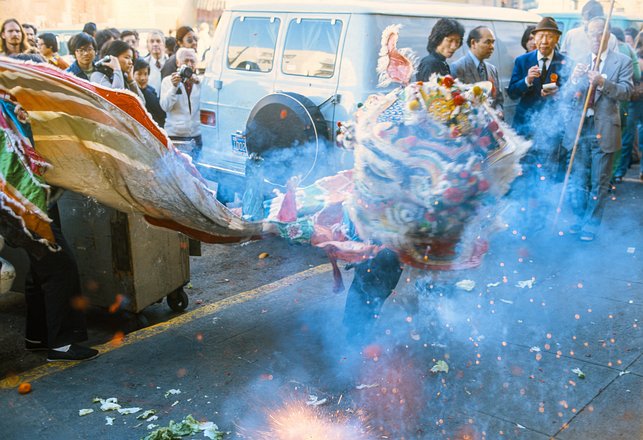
<point x="547" y="344"/>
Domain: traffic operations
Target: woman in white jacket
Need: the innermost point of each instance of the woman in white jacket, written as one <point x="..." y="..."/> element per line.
<point x="180" y="94"/>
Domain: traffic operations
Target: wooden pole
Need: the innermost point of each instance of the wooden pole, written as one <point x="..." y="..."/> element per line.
<point x="590" y="92"/>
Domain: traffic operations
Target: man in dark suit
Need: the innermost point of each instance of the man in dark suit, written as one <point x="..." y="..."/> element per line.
<point x="611" y="75"/>
<point x="536" y="79"/>
<point x="473" y="68"/>
<point x="533" y="70"/>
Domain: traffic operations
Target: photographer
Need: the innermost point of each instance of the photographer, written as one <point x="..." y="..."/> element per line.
<point x="115" y="70"/>
<point x="180" y="93"/>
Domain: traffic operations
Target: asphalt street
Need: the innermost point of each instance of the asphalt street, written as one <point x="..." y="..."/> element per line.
<point x="543" y="340"/>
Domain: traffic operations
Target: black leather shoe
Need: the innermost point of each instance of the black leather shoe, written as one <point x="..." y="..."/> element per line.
<point x="75" y="353"/>
<point x="35" y="346"/>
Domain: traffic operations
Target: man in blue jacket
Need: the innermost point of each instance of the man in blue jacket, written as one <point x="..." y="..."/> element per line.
<point x="536" y="78"/>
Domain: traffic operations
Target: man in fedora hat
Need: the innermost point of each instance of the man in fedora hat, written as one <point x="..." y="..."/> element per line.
<point x="536" y="79"/>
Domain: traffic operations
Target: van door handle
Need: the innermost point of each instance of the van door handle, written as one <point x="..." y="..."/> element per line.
<point x="217" y="84"/>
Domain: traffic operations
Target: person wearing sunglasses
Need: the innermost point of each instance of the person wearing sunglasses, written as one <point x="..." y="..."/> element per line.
<point x="83" y="47"/>
<point x="185" y="37"/>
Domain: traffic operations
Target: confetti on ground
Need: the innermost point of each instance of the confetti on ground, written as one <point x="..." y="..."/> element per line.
<point x="176" y="402"/>
<point x="493" y="284"/>
<point x="110" y="404"/>
<point x="535" y="349"/>
<point x="133" y="410"/>
<point x="440" y="366"/>
<point x="467" y="285"/>
<point x="506" y="301"/>
<point x="579" y="373"/>
<point x="631" y="250"/>
<point x="84" y="412"/>
<point x="365" y="386"/>
<point x="146" y="415"/>
<point x="109" y="421"/>
<point x="527" y="283"/>
<point x="172" y="392"/>
<point x="623" y="372"/>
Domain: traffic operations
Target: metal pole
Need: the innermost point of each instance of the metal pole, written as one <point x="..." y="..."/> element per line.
<point x="590" y="90"/>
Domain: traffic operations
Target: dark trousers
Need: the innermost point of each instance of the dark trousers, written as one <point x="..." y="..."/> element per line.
<point x="374" y="281"/>
<point x="590" y="179"/>
<point x="54" y="314"/>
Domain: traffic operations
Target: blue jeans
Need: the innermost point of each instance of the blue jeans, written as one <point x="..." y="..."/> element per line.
<point x="633" y="123"/>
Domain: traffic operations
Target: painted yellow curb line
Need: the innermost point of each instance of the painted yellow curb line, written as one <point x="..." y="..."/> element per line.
<point x="148" y="332"/>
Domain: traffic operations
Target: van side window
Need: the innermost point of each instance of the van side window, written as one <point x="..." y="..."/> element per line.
<point x="252" y="43"/>
<point x="311" y="47"/>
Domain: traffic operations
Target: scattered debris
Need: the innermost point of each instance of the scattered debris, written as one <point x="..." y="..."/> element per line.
<point x="315" y="401"/>
<point x="440" y="366"/>
<point x="520" y="426"/>
<point x="365" y="386"/>
<point x="506" y="301"/>
<point x="110" y="404"/>
<point x="493" y="284"/>
<point x="133" y="410"/>
<point x="631" y="250"/>
<point x="623" y="372"/>
<point x="467" y="285"/>
<point x="526" y="283"/>
<point x="187" y="426"/>
<point x="84" y="412"/>
<point x="176" y="402"/>
<point x="579" y="373"/>
<point x="109" y="421"/>
<point x="172" y="391"/>
<point x="146" y="414"/>
<point x="535" y="349"/>
<point x="263" y="255"/>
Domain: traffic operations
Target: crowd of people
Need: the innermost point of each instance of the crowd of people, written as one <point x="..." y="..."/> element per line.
<point x="110" y="58"/>
<point x="552" y="77"/>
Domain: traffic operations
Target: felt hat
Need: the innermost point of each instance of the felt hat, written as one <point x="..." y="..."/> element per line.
<point x="547" y="24"/>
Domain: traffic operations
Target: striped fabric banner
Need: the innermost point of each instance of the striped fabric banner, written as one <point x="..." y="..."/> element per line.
<point x="102" y="143"/>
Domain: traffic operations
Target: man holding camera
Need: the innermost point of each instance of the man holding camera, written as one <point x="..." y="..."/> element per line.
<point x="180" y="94"/>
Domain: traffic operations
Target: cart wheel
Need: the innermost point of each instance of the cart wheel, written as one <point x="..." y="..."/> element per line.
<point x="178" y="300"/>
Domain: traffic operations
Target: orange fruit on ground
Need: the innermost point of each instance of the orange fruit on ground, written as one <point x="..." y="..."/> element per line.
<point x="24" y="388"/>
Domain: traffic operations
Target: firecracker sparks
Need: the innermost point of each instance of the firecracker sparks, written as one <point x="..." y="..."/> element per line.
<point x="297" y="421"/>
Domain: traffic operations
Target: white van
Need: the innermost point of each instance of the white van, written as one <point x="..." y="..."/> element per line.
<point x="286" y="73"/>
